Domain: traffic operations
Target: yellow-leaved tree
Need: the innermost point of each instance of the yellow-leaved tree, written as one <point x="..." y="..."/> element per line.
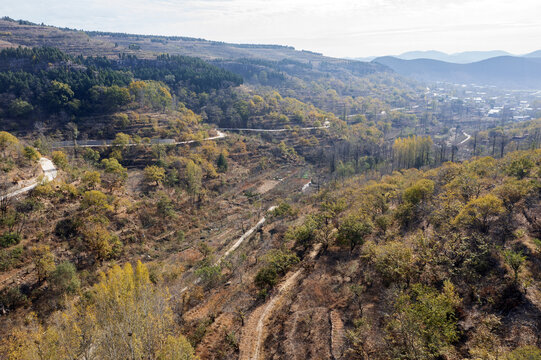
<point x="124" y="316"/>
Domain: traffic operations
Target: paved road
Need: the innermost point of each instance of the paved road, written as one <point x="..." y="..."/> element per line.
<point x="221" y="135"/>
<point x="109" y="143"/>
<point x="468" y="137"/>
<point x="49" y="172"/>
<point x="326" y="125"/>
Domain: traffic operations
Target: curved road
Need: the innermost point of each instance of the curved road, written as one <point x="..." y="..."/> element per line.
<point x="49" y="172"/>
<point x="253" y="334"/>
<point x="468" y="137"/>
<point x="109" y="143"/>
<point x="221" y="135"/>
<point x="326" y="125"/>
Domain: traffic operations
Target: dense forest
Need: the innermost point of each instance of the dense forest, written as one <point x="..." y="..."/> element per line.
<point x="39" y="82"/>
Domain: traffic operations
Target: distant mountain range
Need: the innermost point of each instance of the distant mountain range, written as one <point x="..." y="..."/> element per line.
<point x="458" y="58"/>
<point x="510" y="72"/>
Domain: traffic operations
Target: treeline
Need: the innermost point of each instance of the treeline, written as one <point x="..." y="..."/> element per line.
<point x="413" y="151"/>
<point x="175" y="70"/>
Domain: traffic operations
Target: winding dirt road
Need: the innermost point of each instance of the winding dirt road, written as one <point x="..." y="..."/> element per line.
<point x="254" y="332"/>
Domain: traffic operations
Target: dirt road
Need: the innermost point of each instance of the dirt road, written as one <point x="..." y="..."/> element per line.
<point x="254" y="332"/>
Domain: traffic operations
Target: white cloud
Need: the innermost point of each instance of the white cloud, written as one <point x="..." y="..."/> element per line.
<point x="338" y="28"/>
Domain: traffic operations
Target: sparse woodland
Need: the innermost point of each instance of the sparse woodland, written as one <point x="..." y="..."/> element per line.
<point x="354" y="230"/>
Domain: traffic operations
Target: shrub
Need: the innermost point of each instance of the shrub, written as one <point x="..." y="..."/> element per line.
<point x="283" y="210"/>
<point x="67" y="228"/>
<point x="91" y="179"/>
<point x="31" y="154"/>
<point x="9" y="238"/>
<point x="520" y="167"/>
<point x="64" y="278"/>
<point x="478" y="212"/>
<point x="60" y="159"/>
<point x="210" y="274"/>
<point x="420" y="191"/>
<point x="277" y="263"/>
<point x="428" y="317"/>
<point x="221" y="163"/>
<point x="13" y="298"/>
<point x="90" y="155"/>
<point x="11" y="258"/>
<point x="96" y="200"/>
<point x="524" y="353"/>
<point x="115" y="170"/>
<point x="393" y="261"/>
<point x="352" y="231"/>
<point x="154" y="174"/>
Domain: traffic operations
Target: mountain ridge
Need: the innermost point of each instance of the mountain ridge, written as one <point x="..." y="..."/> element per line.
<point x="505" y="71"/>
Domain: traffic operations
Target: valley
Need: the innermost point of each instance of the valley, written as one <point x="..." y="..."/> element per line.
<point x="169" y="197"/>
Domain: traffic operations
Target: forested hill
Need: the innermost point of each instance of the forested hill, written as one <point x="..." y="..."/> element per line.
<point x="504" y="71"/>
<point x="15" y="33"/>
<point x="39" y="82"/>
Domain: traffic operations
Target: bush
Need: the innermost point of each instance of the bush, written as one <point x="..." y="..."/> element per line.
<point x="64" y="278"/>
<point x="210" y="275"/>
<point x="67" y="228"/>
<point x="60" y="159"/>
<point x="478" y="212"/>
<point x="524" y="353"/>
<point x="277" y="263"/>
<point x="115" y="170"/>
<point x="13" y="298"/>
<point x="352" y="231"/>
<point x="91" y="179"/>
<point x="283" y="210"/>
<point x="19" y="108"/>
<point x="31" y="154"/>
<point x="266" y="277"/>
<point x="96" y="200"/>
<point x="28" y="205"/>
<point x="11" y="258"/>
<point x="520" y="167"/>
<point x="9" y="238"/>
<point x="164" y="206"/>
<point x="154" y="174"/>
<point x="90" y="155"/>
<point x="418" y="192"/>
<point x="393" y="261"/>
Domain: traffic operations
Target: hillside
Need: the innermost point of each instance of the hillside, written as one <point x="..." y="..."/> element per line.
<point x="504" y="71"/>
<point x="178" y="198"/>
<point x="75" y="42"/>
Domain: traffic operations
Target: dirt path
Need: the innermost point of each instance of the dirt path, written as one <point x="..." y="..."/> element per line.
<point x="235" y="245"/>
<point x="49" y="171"/>
<point x="254" y="332"/>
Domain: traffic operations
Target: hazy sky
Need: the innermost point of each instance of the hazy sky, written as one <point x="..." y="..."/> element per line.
<point x="345" y="28"/>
